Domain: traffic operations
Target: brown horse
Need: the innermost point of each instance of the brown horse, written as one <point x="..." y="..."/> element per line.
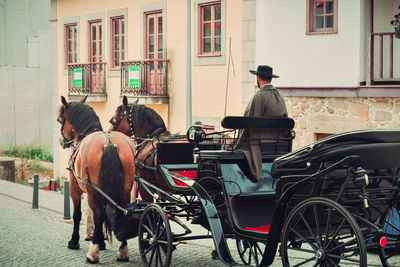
<point x="99" y="160"/>
<point x="148" y="128"/>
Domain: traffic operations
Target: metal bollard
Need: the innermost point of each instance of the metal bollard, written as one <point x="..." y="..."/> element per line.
<point x="35" y="200"/>
<point x="67" y="215"/>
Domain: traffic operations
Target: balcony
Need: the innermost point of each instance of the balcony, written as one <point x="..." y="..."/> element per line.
<point x="87" y="79"/>
<point x="384" y="67"/>
<point x="145" y="79"/>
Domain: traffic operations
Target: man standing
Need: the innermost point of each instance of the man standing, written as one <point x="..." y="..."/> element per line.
<point x="267" y="102"/>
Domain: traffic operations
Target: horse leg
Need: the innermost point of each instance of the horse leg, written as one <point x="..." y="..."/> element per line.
<point x="93" y="254"/>
<point x="76" y="194"/>
<point x="123" y="252"/>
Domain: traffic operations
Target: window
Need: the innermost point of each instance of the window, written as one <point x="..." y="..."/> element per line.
<point x="322" y="16"/>
<point x="117" y="41"/>
<point x="210" y="29"/>
<point x="95" y="41"/>
<point x="70" y="43"/>
<point x="96" y="56"/>
<point x="154" y="36"/>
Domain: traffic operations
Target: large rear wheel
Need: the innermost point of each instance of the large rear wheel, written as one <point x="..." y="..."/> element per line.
<point x="155" y="238"/>
<point x="321" y="232"/>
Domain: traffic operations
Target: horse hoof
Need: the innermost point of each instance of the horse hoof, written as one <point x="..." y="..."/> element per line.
<point x="93" y="254"/>
<point x="123" y="260"/>
<point x="73" y="246"/>
<point x="91" y="262"/>
<point x="102" y="246"/>
<point x="123" y="253"/>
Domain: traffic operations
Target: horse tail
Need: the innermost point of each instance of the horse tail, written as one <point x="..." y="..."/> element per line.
<point x="112" y="177"/>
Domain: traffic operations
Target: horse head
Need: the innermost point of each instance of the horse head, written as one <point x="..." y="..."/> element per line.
<point x="120" y="121"/>
<point x="137" y="120"/>
<point x="77" y="120"/>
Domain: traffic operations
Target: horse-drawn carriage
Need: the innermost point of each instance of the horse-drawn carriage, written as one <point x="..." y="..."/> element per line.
<point x="326" y="204"/>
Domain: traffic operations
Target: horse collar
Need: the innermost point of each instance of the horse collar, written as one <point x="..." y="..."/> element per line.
<point x="131" y="126"/>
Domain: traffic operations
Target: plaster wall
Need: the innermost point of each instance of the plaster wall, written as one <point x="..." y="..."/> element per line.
<point x="307" y="60"/>
<point x="26" y="73"/>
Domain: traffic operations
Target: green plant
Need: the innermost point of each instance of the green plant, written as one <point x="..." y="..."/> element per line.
<point x="36" y="167"/>
<point x="32" y="151"/>
<point x="396" y="21"/>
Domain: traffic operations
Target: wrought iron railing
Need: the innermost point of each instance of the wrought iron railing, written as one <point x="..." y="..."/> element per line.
<point x="384" y="59"/>
<point x="87" y="78"/>
<point x="148" y="77"/>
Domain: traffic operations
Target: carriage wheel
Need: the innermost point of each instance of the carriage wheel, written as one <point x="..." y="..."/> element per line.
<point x="155" y="238"/>
<point x="321" y="232"/>
<point x="391" y="232"/>
<point x="250" y="251"/>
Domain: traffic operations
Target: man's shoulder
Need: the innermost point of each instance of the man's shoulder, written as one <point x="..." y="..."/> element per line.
<point x="266" y="87"/>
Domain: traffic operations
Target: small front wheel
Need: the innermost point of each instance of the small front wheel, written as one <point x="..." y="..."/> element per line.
<point x="251" y="252"/>
<point x="321" y="232"/>
<point x="155" y="238"/>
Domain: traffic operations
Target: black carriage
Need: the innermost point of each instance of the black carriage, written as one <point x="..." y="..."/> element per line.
<point x="326" y="203"/>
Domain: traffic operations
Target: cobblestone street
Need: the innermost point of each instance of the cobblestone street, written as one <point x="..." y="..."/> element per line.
<point x="38" y="237"/>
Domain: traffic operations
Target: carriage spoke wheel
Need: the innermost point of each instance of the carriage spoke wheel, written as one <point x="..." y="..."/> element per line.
<point x="251" y="253"/>
<point x="155" y="238"/>
<point x="321" y="232"/>
<point x="391" y="231"/>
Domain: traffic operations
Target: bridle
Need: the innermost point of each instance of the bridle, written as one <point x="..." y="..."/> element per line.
<point x="116" y="121"/>
<point x="63" y="141"/>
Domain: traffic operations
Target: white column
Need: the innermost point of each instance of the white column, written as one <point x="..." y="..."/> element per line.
<point x="261" y="36"/>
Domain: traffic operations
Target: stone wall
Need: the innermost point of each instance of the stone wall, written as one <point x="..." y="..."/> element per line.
<point x="314" y="115"/>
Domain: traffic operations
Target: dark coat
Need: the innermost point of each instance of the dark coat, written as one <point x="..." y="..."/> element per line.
<point x="267" y="102"/>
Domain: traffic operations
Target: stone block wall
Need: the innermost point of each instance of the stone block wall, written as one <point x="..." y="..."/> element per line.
<point x="321" y="116"/>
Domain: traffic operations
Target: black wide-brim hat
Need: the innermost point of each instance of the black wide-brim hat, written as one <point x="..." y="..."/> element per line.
<point x="264" y="72"/>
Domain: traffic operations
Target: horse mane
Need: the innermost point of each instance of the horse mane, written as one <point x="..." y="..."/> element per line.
<point x="150" y="121"/>
<point x="83" y="118"/>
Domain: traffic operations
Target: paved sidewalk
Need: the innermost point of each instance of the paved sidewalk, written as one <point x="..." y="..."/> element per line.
<point x="50" y="200"/>
<point x="38" y="237"/>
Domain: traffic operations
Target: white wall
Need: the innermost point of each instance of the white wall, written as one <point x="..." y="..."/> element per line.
<point x="301" y="60"/>
<point x="27" y="52"/>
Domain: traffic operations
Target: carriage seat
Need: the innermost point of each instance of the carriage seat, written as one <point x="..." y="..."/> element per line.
<point x="278" y="144"/>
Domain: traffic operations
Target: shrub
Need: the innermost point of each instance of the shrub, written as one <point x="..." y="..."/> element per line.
<point x="32" y="151"/>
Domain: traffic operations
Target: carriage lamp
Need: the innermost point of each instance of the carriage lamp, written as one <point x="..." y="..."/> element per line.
<point x="195" y="134"/>
<point x="361" y="180"/>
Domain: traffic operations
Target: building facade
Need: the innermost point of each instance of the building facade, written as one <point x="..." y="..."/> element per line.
<point x="338" y="63"/>
<point x="141" y="49"/>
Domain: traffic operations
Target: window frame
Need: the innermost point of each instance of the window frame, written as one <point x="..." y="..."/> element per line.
<point x="201" y="37"/>
<point x="67" y="28"/>
<point x="156" y="15"/>
<point x="311" y="18"/>
<point x="98" y="42"/>
<point x="122" y="37"/>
